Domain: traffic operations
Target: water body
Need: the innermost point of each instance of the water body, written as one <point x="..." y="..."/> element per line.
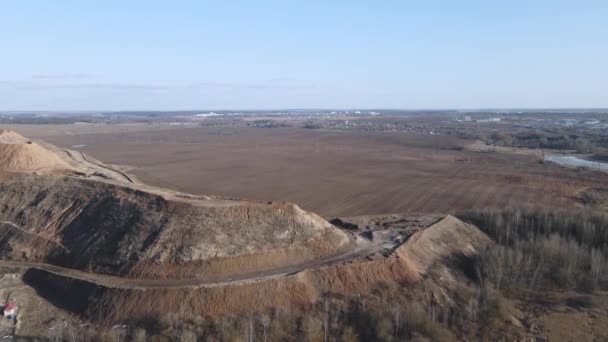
<point x="574" y="161"/>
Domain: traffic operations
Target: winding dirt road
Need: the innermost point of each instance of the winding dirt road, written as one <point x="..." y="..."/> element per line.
<point x="364" y="249"/>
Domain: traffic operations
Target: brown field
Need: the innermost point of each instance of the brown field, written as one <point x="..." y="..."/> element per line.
<point x="329" y="172"/>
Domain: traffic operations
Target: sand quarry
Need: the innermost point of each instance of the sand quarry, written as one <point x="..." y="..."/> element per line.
<point x="106" y="248"/>
<point x="89" y="245"/>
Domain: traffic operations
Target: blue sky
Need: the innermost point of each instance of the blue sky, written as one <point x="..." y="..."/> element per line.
<point x="125" y="55"/>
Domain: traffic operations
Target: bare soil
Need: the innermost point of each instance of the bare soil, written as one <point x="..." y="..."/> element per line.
<point x="119" y="230"/>
<point x="110" y="299"/>
<point x="389" y="235"/>
<point x="328" y="172"/>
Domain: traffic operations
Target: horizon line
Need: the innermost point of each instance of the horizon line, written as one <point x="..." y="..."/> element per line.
<point x="306" y="109"/>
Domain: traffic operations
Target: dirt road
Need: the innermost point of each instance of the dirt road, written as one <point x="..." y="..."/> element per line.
<point x="80" y="157"/>
<point x="363" y="249"/>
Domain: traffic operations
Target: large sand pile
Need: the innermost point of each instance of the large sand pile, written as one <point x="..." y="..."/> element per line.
<point x="20" y="154"/>
<point x="446" y="238"/>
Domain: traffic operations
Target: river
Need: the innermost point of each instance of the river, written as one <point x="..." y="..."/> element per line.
<point x="575" y="161"/>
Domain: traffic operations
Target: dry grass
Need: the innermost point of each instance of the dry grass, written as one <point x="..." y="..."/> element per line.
<point x="296" y="291"/>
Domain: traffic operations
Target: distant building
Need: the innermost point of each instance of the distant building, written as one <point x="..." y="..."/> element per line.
<point x="467" y="118"/>
<point x="206" y="115"/>
<point x="488" y="120"/>
<point x="10" y="310"/>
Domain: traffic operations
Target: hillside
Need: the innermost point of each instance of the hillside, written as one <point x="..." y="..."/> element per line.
<point x="123" y="231"/>
<point x="106" y="303"/>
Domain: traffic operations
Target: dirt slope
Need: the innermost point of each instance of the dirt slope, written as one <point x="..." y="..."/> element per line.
<point x="108" y="228"/>
<point x="64" y="207"/>
<point x="107" y="304"/>
<point x="20" y="154"/>
<point x="448" y="237"/>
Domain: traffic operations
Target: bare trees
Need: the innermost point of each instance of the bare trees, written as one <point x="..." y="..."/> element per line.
<point x="555" y="249"/>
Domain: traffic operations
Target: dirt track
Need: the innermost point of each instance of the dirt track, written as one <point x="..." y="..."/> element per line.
<point x="361" y="251"/>
<point x="80" y="157"/>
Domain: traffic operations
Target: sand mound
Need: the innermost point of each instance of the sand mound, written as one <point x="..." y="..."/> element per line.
<point x="20" y="154"/>
<point x="444" y="239"/>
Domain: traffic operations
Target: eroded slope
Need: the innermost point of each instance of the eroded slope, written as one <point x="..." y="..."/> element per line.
<point x="108" y="228"/>
<point x="408" y="266"/>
